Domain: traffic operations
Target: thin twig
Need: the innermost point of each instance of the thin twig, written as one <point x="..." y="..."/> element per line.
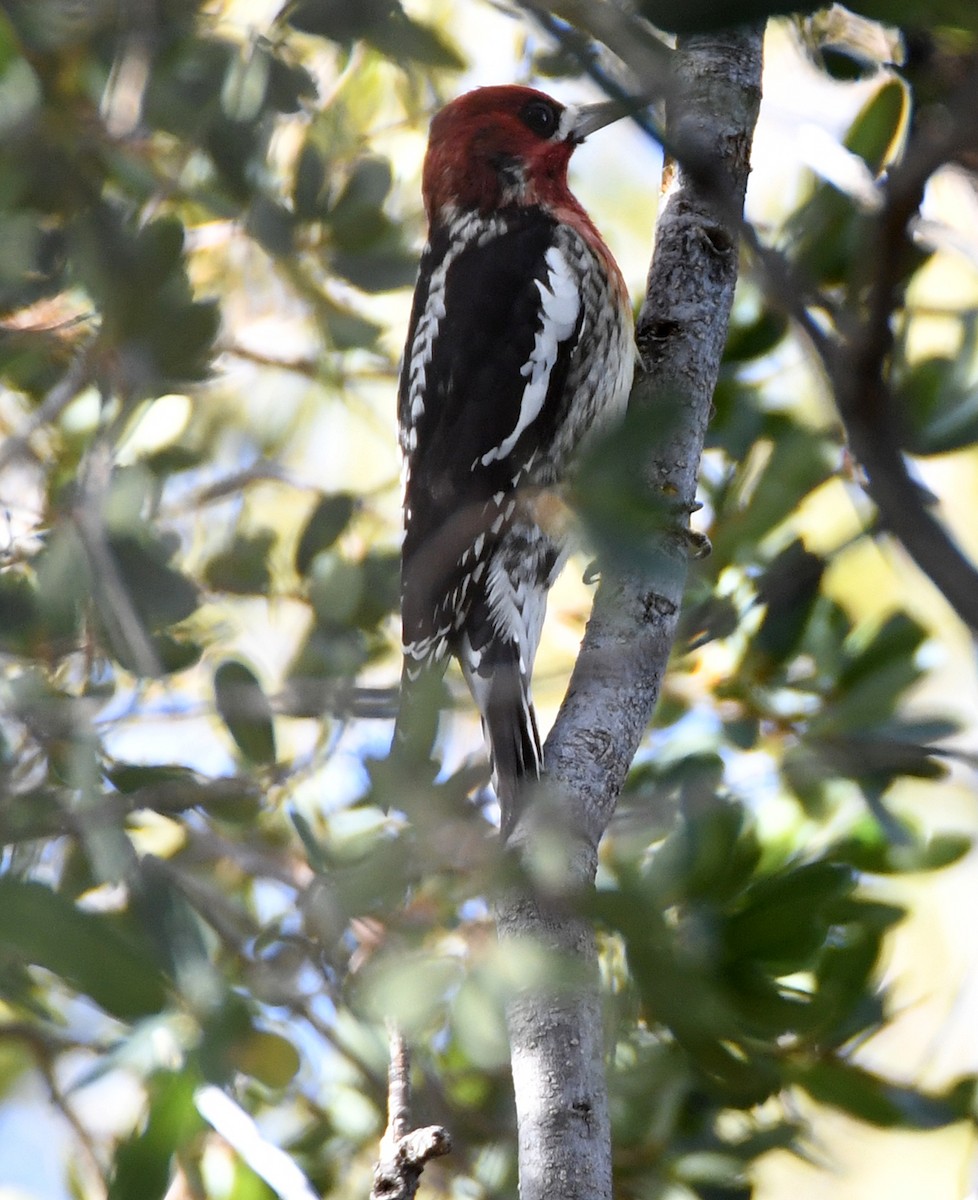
<point x="77" y="377"/>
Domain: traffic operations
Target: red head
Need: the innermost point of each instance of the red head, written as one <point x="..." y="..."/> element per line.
<point x="506" y="145"/>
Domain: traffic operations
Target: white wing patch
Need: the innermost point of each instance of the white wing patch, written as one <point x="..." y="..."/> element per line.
<point x="560" y="306"/>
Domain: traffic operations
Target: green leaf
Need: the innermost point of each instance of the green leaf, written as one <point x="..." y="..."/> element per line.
<point x="326" y="523"/>
<point x="710" y="856"/>
<point x="132" y="777"/>
<point x="383" y="23"/>
<point x="797" y="461"/>
<point x="268" y="1057"/>
<point x="383" y="267"/>
<point x="327" y="653"/>
<point x="737" y="422"/>
<point x="755" y="339"/>
<point x="289" y="84"/>
<point x="346" y="329"/>
<point x="159" y="593"/>
<point x="175" y="654"/>
<point x="85" y="949"/>
<point x="19" y="612"/>
<point x="380" y="593"/>
<point x="871" y="682"/>
<point x="699" y="16"/>
<point x="868" y="850"/>
<point x="405" y="39"/>
<point x="335" y="589"/>
<point x="874" y="133"/>
<point x="874" y="1100"/>
<point x="868" y="757"/>
<point x="310" y="183"/>
<point x="159" y="249"/>
<point x="785" y="916"/>
<point x="340" y="20"/>
<point x="897" y="639"/>
<point x="243" y="568"/>
<point x="947" y="14"/>
<point x="355" y="218"/>
<point x="165" y="913"/>
<point x="940" y="404"/>
<point x="144" y="1162"/>
<point x="246" y="83"/>
<point x="789" y="588"/>
<point x="246" y="712"/>
<point x="828" y="232"/>
<point x="272" y="226"/>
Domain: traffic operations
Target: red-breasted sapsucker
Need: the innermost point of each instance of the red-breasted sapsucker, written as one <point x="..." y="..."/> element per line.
<point x="520" y="345"/>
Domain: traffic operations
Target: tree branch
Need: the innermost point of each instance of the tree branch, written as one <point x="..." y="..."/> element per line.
<point x="403" y="1151"/>
<point x="858" y="366"/>
<point x="556" y="1033"/>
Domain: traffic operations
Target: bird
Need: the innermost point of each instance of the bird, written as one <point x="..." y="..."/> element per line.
<point x="520" y="348"/>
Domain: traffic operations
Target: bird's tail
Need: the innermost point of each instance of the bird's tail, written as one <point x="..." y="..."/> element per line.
<point x="501" y="689"/>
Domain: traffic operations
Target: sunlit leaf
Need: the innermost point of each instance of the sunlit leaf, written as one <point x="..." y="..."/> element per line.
<point x="268" y="1057"/>
<point x="144" y="1162"/>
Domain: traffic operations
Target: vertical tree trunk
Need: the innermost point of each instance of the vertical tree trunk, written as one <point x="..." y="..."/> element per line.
<point x="556" y="1030"/>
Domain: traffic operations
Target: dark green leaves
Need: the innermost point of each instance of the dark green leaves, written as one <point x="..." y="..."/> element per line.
<point x="707" y="919"/>
<point x="826" y="233"/>
<point x="85" y="949"/>
<point x="138" y="278"/>
<point x="245" y="711"/>
<point x="875" y="1100"/>
<point x="382" y="23"/>
<point x="789" y="589"/>
<point x="160" y="594"/>
<point x="702" y="15"/>
<point x="939" y="398"/>
<point x="367" y="246"/>
<point x="143" y="1166"/>
<point x="326" y="522"/>
<point x="243" y="567"/>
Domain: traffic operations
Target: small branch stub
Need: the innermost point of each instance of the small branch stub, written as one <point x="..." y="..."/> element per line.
<point x="403" y="1151"/>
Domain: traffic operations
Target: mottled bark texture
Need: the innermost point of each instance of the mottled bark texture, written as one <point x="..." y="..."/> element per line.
<point x="556" y="1030"/>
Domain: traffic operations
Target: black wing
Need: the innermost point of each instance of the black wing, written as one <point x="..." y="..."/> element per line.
<point x="492" y="332"/>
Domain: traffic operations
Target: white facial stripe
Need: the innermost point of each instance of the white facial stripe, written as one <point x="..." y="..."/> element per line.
<point x="568" y="119"/>
<point x="560" y="305"/>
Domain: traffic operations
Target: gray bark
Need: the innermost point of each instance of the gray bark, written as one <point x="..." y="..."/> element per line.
<point x="556" y="1031"/>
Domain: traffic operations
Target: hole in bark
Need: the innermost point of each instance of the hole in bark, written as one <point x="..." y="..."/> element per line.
<point x="660" y="330"/>
<point x="718" y="238"/>
<point x="656" y="605"/>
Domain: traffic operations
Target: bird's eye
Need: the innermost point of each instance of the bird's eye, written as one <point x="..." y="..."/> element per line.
<point x="541" y="117"/>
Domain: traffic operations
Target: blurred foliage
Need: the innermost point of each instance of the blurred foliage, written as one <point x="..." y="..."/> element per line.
<point x="202" y="220"/>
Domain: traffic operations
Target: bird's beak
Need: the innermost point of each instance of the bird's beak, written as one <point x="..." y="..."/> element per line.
<point x="586" y="119"/>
